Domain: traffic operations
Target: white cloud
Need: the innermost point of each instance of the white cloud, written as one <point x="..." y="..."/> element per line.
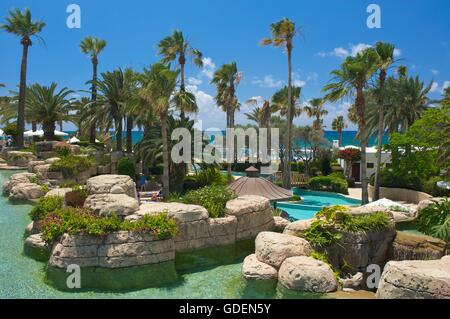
<point x="353" y="50"/>
<point x="434" y="71"/>
<point x="194" y="81"/>
<point x="208" y="111"/>
<point x="268" y="82"/>
<point x="209" y="67"/>
<point x="434" y="87"/>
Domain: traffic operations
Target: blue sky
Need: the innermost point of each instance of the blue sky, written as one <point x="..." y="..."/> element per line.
<point x="230" y="31"/>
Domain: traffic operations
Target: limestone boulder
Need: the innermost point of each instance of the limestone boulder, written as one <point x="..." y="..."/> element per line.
<point x="352" y="283"/>
<point x="246" y="204"/>
<point x="407" y="246"/>
<point x="26" y="191"/>
<point x="113" y="184"/>
<point x="273" y="248"/>
<point x="33" y="164"/>
<point x="427" y="202"/>
<point x="45" y="146"/>
<point x="61" y="192"/>
<point x="280" y="224"/>
<point x="306" y="274"/>
<point x="16" y="179"/>
<point x="298" y="227"/>
<point x="36" y="241"/>
<point x="253" y="269"/>
<point x="42" y="171"/>
<point x="20" y="159"/>
<point x="52" y="160"/>
<point x="108" y="204"/>
<point x="415" y="279"/>
<point x="36" y="247"/>
<point x="181" y="212"/>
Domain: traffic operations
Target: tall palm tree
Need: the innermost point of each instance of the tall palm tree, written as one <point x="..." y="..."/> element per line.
<point x="157" y="86"/>
<point x="110" y="104"/>
<point x="176" y="47"/>
<point x="93" y="47"/>
<point x="48" y="106"/>
<point x="22" y="25"/>
<point x="352" y="79"/>
<point x="338" y="125"/>
<point x="385" y="53"/>
<point x="282" y="35"/>
<point x="280" y="102"/>
<point x="226" y="78"/>
<point x="316" y="109"/>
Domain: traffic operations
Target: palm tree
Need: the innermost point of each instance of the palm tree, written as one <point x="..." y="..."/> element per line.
<point x="176" y="47"/>
<point x="385" y="53"/>
<point x="226" y="78"/>
<point x="157" y="86"/>
<point x="93" y="47"/>
<point x="22" y="25"/>
<point x="316" y="109"/>
<point x="280" y="102"/>
<point x="47" y="106"/>
<point x="110" y="104"/>
<point x="352" y="79"/>
<point x="283" y="33"/>
<point x="338" y="125"/>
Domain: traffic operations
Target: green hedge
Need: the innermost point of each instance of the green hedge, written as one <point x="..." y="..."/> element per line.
<point x="213" y="198"/>
<point x="329" y="183"/>
<point x="125" y="166"/>
<point x="71" y="165"/>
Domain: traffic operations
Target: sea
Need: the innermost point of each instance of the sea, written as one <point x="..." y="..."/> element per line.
<point x="348" y="137"/>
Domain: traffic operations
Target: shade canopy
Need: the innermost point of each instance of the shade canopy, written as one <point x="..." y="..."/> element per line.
<point x="254" y="185"/>
<point x="73" y="140"/>
<point x="41" y="133"/>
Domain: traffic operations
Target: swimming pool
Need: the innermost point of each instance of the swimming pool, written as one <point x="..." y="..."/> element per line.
<point x="312" y="202"/>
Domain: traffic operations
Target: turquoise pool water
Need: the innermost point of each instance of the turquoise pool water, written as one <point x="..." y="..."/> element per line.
<point x="312" y="202"/>
<point x="23" y="277"/>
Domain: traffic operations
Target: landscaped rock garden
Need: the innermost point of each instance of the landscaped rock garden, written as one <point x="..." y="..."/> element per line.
<point x="113" y="232"/>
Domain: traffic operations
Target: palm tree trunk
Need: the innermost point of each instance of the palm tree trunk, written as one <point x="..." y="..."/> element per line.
<point x="94" y="98"/>
<point x="22" y="94"/>
<point x="182" y="61"/>
<point x="376" y="194"/>
<point x="229" y="176"/>
<point x="129" y="134"/>
<point x="340" y="137"/>
<point x="165" y="177"/>
<point x="287" y="161"/>
<point x="119" y="134"/>
<point x="49" y="130"/>
<point x="360" y="102"/>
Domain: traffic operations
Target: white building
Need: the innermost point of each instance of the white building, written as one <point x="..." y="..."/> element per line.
<point x="371" y="162"/>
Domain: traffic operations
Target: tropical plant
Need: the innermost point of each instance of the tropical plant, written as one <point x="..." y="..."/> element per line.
<point x="93" y="47"/>
<point x="315" y="108"/>
<point x="226" y="78"/>
<point x="46" y="105"/>
<point x="353" y="79"/>
<point x="157" y="85"/>
<point x="282" y="35"/>
<point x="338" y="125"/>
<point x="213" y="198"/>
<point x="350" y="156"/>
<point x="176" y="47"/>
<point x="385" y="52"/>
<point x="22" y="25"/>
<point x="434" y="220"/>
<point x="329" y="183"/>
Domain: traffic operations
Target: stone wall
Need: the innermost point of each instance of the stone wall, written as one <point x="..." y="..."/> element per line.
<point x="408" y="246"/>
<point x="400" y="194"/>
<point x="116" y="250"/>
<point x="245" y="217"/>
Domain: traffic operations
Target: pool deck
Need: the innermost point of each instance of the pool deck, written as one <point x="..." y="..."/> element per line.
<point x="355" y="193"/>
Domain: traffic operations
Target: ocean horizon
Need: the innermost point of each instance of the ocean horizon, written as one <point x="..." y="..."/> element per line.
<point x="348" y="137"/>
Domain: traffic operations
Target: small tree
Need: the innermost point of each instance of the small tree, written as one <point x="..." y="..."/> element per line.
<point x="350" y="156"/>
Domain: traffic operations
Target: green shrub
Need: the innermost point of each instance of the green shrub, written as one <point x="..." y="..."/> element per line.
<point x="294" y="167"/>
<point x="125" y="166"/>
<point x="71" y="165"/>
<point x="46" y="205"/>
<point x="213" y="198"/>
<point x="329" y="183"/>
<point x="325" y="165"/>
<point x="434" y="220"/>
<point x="338" y="174"/>
<point x="157" y="169"/>
<point x="296" y="198"/>
<point x="62" y="149"/>
<point x="83" y="221"/>
<point x="331" y="222"/>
